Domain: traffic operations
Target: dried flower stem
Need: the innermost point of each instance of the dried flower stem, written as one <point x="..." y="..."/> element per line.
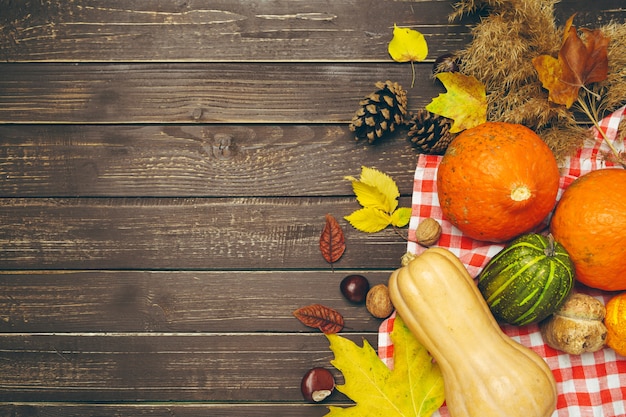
<point x="591" y="111"/>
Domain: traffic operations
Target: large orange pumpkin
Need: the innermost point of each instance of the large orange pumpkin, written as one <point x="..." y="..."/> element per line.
<point x="497" y="181"/>
<point x="590" y="223"/>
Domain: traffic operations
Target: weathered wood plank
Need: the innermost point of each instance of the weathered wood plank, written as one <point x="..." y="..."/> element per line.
<point x="164" y="410"/>
<point x="198" y="93"/>
<point x="218" y="30"/>
<point x="221" y="367"/>
<point x="184" y="233"/>
<point x="198" y="160"/>
<point x="223" y="30"/>
<point x="194" y="301"/>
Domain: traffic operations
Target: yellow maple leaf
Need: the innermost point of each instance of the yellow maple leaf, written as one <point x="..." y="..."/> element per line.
<point x="413" y="388"/>
<point x="407" y="45"/>
<point x="465" y="101"/>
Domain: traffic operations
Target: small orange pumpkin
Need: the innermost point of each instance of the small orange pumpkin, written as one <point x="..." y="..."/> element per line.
<point x="615" y="322"/>
<point x="497" y="181"/>
<point x="590" y="222"/>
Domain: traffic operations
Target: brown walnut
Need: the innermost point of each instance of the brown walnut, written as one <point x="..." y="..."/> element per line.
<point x="378" y="302"/>
<point x="428" y="232"/>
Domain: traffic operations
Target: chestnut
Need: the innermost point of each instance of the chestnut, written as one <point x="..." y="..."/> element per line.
<point x="355" y="288"/>
<point x="317" y="384"/>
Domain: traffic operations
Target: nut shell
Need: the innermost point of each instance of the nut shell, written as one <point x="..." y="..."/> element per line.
<point x="378" y="302"/>
<point x="317" y="384"/>
<point x="428" y="232"/>
<point x="354" y="288"/>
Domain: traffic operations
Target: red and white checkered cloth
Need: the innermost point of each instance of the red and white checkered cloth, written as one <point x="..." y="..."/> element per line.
<point x="589" y="385"/>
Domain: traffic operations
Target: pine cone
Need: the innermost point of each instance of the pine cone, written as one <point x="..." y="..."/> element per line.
<point x="430" y="132"/>
<point x="380" y="112"/>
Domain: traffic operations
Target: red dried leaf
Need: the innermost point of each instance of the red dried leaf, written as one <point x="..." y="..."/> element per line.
<point x="332" y="241"/>
<point x="320" y="317"/>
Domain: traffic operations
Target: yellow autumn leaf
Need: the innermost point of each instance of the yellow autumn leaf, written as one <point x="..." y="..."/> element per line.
<point x="369" y="219"/>
<point x="407" y="45"/>
<point x="369" y="196"/>
<point x="465" y="101"/>
<point x="378" y="193"/>
<point x="375" y="189"/>
<point x="384" y="183"/>
<point x="401" y="217"/>
<point x="413" y="388"/>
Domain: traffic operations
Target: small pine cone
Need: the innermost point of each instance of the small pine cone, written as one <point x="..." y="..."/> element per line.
<point x="430" y="132"/>
<point x="380" y="112"/>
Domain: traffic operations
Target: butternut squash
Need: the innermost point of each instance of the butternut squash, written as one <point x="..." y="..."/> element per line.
<point x="486" y="373"/>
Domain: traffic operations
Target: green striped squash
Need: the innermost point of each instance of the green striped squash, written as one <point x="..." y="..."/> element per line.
<point x="528" y="280"/>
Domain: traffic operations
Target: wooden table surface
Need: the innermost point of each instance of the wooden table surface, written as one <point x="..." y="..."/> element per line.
<point x="166" y="167"/>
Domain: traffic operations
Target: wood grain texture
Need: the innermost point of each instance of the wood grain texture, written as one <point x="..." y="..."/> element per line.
<point x="218" y="30"/>
<point x="185" y="233"/>
<point x="165" y="170"/>
<point x="120" y="367"/>
<point x="175" y="301"/>
<point x="193" y="160"/>
<point x="225" y="30"/>
<point x="169" y="409"/>
<point x="198" y="93"/>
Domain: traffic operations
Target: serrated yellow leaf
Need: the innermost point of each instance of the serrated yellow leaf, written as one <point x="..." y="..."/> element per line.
<point x="384" y="184"/>
<point x="370" y="196"/>
<point x="401" y="217"/>
<point x="378" y="193"/>
<point x="369" y="220"/>
<point x="465" y="101"/>
<point x="413" y="388"/>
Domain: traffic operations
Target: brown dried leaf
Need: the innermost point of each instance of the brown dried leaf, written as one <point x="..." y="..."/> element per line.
<point x="584" y="61"/>
<point x="332" y="241"/>
<point x="317" y="316"/>
<point x="581" y="61"/>
<point x="550" y="73"/>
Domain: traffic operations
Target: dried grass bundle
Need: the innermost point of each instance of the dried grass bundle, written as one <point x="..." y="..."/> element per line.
<point x="500" y="55"/>
<point x="615" y="84"/>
